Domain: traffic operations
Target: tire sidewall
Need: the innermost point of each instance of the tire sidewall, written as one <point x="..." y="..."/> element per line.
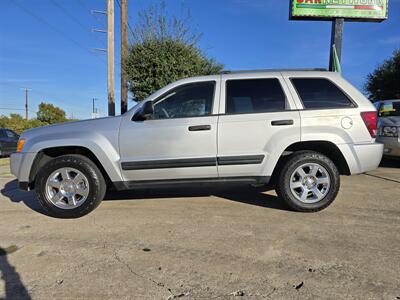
<point x="292" y="165"/>
<point x="88" y="168"/>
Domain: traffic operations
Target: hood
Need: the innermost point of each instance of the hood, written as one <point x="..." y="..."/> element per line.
<point x="389" y="121"/>
<point x="106" y="123"/>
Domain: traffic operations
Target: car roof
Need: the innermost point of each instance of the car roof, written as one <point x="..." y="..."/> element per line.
<point x="273" y="70"/>
<point x="318" y="72"/>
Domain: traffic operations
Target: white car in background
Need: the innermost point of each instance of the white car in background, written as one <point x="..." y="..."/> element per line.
<point x="389" y="126"/>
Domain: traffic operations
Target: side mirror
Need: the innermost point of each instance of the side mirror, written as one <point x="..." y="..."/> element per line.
<point x="144" y="112"/>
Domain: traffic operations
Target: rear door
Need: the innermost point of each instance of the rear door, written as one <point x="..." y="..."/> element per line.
<point x="257" y="122"/>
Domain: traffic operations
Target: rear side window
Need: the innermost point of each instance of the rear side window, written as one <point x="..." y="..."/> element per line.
<point x="254" y="96"/>
<point x="389" y="109"/>
<point x="11" y="134"/>
<point x="318" y="93"/>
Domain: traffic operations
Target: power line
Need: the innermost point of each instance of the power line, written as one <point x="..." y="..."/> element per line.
<point x="14" y="108"/>
<point x="82" y="3"/>
<point x="40" y="19"/>
<point x="72" y="17"/>
<point x="46" y="96"/>
<point x="129" y="26"/>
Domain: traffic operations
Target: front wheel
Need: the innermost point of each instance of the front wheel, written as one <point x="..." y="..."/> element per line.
<point x="70" y="186"/>
<point x="309" y="181"/>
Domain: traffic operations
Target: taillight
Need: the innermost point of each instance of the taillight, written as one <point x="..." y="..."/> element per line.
<point x="370" y="119"/>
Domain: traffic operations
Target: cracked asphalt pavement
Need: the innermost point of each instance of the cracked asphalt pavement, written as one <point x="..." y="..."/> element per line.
<point x="206" y="243"/>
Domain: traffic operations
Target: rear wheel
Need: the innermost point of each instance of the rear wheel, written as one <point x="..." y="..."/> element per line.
<point x="309" y="181"/>
<point x="70" y="186"/>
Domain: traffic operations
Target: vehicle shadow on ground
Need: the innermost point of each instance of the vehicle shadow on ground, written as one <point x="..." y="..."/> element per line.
<point x="243" y="194"/>
<point x="14" y="288"/>
<point x="12" y="192"/>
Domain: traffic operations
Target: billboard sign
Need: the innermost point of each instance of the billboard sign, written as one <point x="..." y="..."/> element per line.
<point x="356" y="10"/>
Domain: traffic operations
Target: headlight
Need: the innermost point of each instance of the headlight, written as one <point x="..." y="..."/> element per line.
<point x="389" y="131"/>
<point x="20" y="146"/>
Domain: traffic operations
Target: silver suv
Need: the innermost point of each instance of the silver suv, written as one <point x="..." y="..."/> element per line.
<point x="297" y="130"/>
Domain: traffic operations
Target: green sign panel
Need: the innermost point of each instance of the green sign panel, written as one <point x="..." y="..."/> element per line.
<point x="361" y="10"/>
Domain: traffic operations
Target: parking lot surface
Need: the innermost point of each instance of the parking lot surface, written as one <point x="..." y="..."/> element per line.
<point x="206" y="243"/>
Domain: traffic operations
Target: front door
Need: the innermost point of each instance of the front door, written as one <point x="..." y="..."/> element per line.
<point x="179" y="141"/>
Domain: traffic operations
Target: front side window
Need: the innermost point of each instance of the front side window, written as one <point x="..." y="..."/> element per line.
<point x="189" y="100"/>
<point x="247" y="96"/>
<point x="320" y="93"/>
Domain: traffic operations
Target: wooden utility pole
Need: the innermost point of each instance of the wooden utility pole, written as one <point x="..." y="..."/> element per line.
<point x="124" y="48"/>
<point x="336" y="39"/>
<point x="26" y="102"/>
<point x="110" y="57"/>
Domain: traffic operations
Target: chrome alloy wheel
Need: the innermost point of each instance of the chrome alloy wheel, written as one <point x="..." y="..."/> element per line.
<point x="310" y="183"/>
<point x="67" y="188"/>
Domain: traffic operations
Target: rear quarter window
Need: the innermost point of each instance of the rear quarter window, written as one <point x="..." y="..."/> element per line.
<point x="320" y="93"/>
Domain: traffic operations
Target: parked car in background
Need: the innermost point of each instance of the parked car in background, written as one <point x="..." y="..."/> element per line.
<point x="8" y="141"/>
<point x="297" y="130"/>
<point x="389" y="126"/>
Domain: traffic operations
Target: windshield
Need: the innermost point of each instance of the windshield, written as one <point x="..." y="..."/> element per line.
<point x="390" y="109"/>
<point x="135" y="105"/>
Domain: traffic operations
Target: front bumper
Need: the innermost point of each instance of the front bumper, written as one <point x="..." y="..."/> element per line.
<point x="392" y="145"/>
<point x="21" y="164"/>
<point x="23" y="185"/>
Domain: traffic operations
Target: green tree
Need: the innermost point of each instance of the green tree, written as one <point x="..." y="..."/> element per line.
<point x="18" y="124"/>
<point x="50" y="114"/>
<point x="164" y="49"/>
<point x="384" y="82"/>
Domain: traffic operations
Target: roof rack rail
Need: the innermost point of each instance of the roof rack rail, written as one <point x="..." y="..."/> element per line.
<point x="271" y="70"/>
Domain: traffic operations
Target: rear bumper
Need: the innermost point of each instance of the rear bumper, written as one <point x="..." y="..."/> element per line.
<point x="362" y="157"/>
<point x="392" y="145"/>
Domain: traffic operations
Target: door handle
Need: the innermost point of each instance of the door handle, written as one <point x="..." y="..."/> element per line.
<point x="199" y="127"/>
<point x="282" y="122"/>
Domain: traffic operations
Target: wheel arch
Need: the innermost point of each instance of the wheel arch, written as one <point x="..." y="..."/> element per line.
<point x="326" y="148"/>
<point x="47" y="154"/>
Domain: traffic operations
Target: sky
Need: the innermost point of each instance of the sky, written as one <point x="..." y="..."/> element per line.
<point x="47" y="46"/>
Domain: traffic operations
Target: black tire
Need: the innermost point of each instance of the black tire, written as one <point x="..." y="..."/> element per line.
<point x="296" y="160"/>
<point x="96" y="182"/>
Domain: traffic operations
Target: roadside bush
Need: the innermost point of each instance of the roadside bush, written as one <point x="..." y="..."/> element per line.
<point x="18" y="124"/>
<point x="47" y="114"/>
